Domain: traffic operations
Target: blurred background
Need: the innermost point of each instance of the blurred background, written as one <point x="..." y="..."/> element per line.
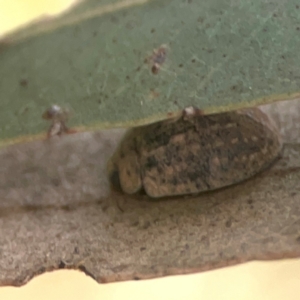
<point x="255" y="280"/>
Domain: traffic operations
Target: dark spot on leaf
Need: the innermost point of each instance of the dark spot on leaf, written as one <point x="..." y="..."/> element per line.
<point x="152" y="30"/>
<point x="193" y="60"/>
<point x="67" y="208"/>
<point x="127" y="77"/>
<point x="274" y="15"/>
<point x="249" y="201"/>
<point x="128" y="173"/>
<point x="297" y="6"/>
<point x="265" y="30"/>
<point x="233" y="87"/>
<point x="224" y="55"/>
<point x="155" y="69"/>
<point x="146" y="225"/>
<point x="136" y="223"/>
<point x="23" y="83"/>
<point x="204" y="239"/>
<point x="142" y="248"/>
<point x="268" y="240"/>
<point x="55" y="181"/>
<point x="95" y="33"/>
<point x="180" y="66"/>
<point x="282" y="56"/>
<point x="105" y="208"/>
<point x="298" y="28"/>
<point x="114" y="19"/>
<point x="228" y="223"/>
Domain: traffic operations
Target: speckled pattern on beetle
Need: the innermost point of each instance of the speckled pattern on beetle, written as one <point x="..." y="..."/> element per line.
<point x="194" y="153"/>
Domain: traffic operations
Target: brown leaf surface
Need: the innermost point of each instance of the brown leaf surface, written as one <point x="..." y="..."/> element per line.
<point x="57" y="211"/>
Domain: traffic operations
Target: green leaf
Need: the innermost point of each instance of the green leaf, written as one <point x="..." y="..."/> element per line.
<point x="220" y="55"/>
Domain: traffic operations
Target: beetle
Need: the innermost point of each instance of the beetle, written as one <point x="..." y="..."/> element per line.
<point x="194" y="153"/>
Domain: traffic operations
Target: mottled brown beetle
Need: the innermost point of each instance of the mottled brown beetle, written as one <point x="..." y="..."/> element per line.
<point x="194" y="153"/>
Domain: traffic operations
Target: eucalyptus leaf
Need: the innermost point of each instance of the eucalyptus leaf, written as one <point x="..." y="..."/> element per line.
<point x="97" y="60"/>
